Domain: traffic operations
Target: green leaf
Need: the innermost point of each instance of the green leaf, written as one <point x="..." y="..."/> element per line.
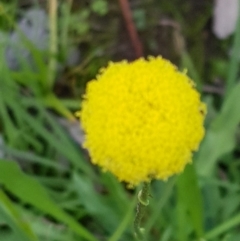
<point x="190" y="199"/>
<point x="224" y="227"/>
<point x="220" y="137"/>
<point x="30" y="191"/>
<point x="100" y="7"/>
<point x="13" y="218"/>
<point x="100" y="206"/>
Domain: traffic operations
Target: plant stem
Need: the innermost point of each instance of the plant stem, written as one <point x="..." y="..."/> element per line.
<point x="127" y="14"/>
<point x="141" y="206"/>
<point x="53" y="4"/>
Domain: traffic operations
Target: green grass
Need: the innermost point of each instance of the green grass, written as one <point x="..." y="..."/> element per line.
<point x="50" y="191"/>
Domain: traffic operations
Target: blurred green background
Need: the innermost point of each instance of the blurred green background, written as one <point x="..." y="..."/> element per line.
<point x="49" y="190"/>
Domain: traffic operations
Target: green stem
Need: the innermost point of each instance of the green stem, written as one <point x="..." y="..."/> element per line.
<point x="141" y="206"/>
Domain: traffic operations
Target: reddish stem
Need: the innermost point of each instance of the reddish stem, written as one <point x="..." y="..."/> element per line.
<point x="126" y="11"/>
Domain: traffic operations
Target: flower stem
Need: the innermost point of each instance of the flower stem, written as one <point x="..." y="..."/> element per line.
<point x="141" y="206"/>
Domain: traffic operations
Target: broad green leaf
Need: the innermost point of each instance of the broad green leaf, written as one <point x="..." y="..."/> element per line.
<point x="189" y="197"/>
<point x="182" y="229"/>
<point x="220" y="137"/>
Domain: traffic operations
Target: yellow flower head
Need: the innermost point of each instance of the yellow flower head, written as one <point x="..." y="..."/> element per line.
<point x="142" y="120"/>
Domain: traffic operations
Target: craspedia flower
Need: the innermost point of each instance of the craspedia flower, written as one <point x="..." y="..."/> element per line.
<point x="142" y="120"/>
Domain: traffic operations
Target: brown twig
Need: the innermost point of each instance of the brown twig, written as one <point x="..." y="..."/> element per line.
<point x="127" y="15"/>
<point x="213" y="89"/>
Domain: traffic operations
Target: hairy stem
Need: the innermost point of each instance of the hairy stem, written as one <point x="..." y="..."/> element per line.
<point x="141" y="206"/>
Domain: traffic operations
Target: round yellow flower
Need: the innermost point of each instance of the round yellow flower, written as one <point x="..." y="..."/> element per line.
<point x="142" y="120"/>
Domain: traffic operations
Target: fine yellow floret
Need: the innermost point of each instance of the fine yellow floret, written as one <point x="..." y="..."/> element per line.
<point x="142" y="120"/>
